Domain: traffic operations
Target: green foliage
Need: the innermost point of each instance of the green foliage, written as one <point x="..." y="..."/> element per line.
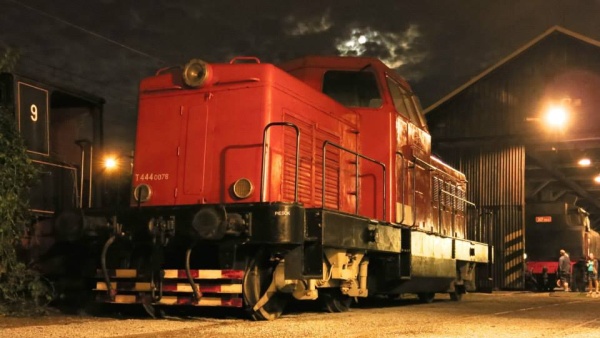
<point x="21" y="289"/>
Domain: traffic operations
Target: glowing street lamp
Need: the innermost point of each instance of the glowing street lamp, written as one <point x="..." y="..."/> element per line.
<point x="584" y="162"/>
<point x="111" y="163"/>
<point x="116" y="178"/>
<point x="556" y="116"/>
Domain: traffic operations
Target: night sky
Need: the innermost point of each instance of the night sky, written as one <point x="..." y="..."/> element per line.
<point x="106" y="46"/>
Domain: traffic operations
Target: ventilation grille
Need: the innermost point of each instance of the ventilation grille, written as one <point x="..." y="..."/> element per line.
<point x="311" y="164"/>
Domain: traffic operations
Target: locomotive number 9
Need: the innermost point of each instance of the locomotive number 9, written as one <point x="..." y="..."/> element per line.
<point x="34" y="112"/>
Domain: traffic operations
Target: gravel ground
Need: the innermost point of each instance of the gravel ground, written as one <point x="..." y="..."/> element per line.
<point x="501" y="314"/>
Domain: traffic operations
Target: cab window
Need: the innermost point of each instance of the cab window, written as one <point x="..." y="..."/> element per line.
<point x="352" y="89"/>
<point x="406" y="103"/>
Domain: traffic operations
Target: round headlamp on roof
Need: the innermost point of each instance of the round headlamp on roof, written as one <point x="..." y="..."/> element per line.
<point x="197" y="73"/>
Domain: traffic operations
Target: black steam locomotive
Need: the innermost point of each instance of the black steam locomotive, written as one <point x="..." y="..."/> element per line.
<point x="62" y="131"/>
<point x="550" y="227"/>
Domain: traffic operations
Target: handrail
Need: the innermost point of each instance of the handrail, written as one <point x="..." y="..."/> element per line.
<point x="91" y="170"/>
<point x="83" y="143"/>
<point x="244" y="58"/>
<point x="414" y="192"/>
<point x="456" y="197"/>
<point x="327" y="142"/>
<point x="264" y="150"/>
<point x="417" y="161"/>
<point x="402" y="172"/>
<point x="425" y="164"/>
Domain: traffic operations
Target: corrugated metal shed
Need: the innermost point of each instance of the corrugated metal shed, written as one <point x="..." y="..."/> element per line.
<point x="492" y="129"/>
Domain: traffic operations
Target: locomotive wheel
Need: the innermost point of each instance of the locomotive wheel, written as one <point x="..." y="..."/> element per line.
<point x="262" y="299"/>
<point x="455" y="296"/>
<point x="334" y="301"/>
<point x="426" y="297"/>
<point x="153" y="311"/>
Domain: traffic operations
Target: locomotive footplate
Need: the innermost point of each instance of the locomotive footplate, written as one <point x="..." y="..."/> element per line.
<point x="341" y="230"/>
<point x="266" y="223"/>
<point x="193" y="255"/>
<point x="334" y="229"/>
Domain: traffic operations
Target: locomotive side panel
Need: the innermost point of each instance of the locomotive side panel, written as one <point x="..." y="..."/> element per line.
<point x="551" y="227"/>
<point x="220" y="135"/>
<point x="449" y="205"/>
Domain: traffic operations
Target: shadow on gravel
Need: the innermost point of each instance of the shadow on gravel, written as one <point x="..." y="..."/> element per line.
<point x="137" y="311"/>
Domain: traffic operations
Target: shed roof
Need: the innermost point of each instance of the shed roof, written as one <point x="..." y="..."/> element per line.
<point x="554" y="29"/>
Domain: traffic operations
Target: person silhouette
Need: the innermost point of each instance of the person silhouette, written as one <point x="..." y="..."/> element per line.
<point x="592" y="275"/>
<point x="564" y="270"/>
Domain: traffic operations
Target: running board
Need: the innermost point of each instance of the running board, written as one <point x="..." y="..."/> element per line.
<point x="130" y="286"/>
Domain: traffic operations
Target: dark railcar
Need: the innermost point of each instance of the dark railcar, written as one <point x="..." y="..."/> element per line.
<point x="62" y="131"/>
<point x="550" y="227"/>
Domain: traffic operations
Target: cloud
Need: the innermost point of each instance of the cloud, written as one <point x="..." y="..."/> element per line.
<point x="312" y="25"/>
<point x="395" y="49"/>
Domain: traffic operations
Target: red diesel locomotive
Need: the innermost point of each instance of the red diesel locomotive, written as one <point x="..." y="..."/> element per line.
<point x="254" y="183"/>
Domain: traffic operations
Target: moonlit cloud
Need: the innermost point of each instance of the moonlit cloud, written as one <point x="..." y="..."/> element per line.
<point x="314" y="25"/>
<point x="394" y="49"/>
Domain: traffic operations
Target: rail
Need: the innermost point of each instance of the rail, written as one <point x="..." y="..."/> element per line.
<point x="325" y="144"/>
<point x="263" y="173"/>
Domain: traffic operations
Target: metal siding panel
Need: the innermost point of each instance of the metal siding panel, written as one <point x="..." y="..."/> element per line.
<point x="496" y="184"/>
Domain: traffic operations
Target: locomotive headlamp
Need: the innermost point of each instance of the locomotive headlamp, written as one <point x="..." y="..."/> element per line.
<point x="197" y="73"/>
<point x="142" y="193"/>
<point x="209" y="223"/>
<point x="242" y="188"/>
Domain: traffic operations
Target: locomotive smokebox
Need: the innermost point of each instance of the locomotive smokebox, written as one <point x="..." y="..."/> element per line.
<point x="73" y="225"/>
<point x="209" y="223"/>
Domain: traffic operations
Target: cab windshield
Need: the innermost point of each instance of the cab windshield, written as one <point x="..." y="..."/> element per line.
<point x="352" y="89"/>
<point x="406" y="103"/>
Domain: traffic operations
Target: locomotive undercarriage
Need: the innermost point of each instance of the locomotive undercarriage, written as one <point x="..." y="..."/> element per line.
<point x="257" y="256"/>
